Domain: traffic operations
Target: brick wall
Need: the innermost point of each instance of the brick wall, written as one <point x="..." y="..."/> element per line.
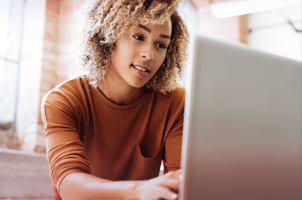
<point x="48" y="58"/>
<point x="49" y="63"/>
<point x="231" y="29"/>
<point x="66" y="66"/>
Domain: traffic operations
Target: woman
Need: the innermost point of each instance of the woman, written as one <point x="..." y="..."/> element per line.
<point x="108" y="131"/>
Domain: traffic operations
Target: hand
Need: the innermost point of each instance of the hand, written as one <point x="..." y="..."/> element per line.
<point x="163" y="187"/>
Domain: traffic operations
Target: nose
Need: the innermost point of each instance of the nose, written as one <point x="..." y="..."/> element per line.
<point x="147" y="52"/>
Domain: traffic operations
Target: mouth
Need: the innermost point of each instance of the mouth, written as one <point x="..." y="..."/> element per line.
<point x="141" y="68"/>
<point x="141" y="71"/>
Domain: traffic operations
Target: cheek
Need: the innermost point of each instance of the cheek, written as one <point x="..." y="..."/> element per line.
<point x="120" y="55"/>
<point x="161" y="59"/>
<point x="126" y="52"/>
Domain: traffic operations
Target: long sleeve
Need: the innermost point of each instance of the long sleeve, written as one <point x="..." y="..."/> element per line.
<point x="173" y="143"/>
<point x="65" y="152"/>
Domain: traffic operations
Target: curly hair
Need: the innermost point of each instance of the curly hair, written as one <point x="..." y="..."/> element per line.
<point x="104" y="21"/>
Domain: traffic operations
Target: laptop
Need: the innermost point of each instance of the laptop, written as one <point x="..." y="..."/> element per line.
<point x="242" y="125"/>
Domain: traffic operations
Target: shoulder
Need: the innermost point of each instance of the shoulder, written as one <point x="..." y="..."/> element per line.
<point x="69" y="91"/>
<point x="66" y="102"/>
<point x="173" y="101"/>
<point x="178" y="94"/>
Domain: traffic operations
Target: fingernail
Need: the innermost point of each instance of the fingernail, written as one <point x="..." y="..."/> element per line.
<point x="180" y="177"/>
<point x="173" y="196"/>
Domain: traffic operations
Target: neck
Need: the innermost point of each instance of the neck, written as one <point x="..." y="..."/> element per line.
<point x="118" y="91"/>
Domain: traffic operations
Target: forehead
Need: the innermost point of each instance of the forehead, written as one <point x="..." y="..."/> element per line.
<point x="165" y="28"/>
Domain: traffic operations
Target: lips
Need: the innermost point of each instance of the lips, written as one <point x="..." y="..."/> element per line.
<point x="140" y="70"/>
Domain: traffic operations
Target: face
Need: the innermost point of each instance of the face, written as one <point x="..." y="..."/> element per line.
<point x="139" y="53"/>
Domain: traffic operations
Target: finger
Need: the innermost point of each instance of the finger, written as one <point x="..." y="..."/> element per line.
<point x="172" y="184"/>
<point x="166" y="193"/>
<point x="174" y="174"/>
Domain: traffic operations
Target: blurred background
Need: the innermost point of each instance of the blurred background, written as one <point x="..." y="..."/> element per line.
<point x="38" y="49"/>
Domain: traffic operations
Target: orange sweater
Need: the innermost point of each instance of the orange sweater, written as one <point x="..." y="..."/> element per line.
<point x="86" y="132"/>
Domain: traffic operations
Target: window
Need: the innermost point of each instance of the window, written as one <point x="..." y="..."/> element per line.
<point x="11" y="15"/>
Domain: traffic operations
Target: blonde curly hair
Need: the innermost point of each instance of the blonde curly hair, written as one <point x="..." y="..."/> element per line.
<point x="104" y="21"/>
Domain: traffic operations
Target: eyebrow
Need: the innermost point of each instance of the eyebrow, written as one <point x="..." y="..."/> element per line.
<point x="149" y="31"/>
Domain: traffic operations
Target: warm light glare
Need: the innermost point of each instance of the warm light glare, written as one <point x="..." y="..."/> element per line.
<point x="234" y="8"/>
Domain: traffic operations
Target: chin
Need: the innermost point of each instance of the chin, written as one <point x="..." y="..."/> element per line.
<point x="138" y="84"/>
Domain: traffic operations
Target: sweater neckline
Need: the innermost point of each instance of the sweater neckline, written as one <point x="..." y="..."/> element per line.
<point x="99" y="94"/>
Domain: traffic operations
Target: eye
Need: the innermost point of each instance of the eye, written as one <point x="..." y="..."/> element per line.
<point x="160" y="45"/>
<point x="138" y="37"/>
